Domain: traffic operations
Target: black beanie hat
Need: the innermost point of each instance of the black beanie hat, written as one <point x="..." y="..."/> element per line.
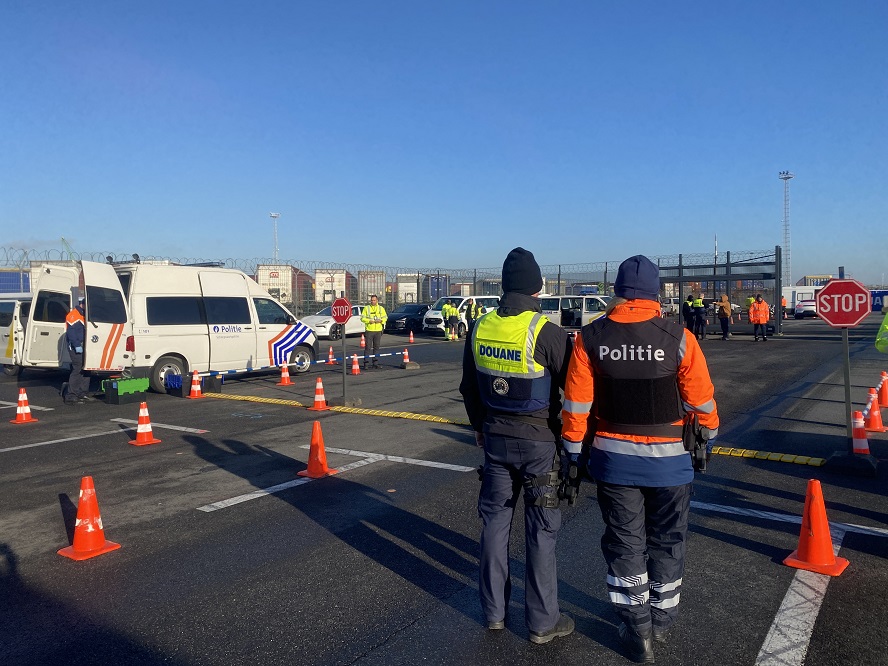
<point x="521" y="273"/>
<point x="638" y="277"/>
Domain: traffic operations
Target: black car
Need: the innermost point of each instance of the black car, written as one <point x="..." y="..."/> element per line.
<point x="407" y="318"/>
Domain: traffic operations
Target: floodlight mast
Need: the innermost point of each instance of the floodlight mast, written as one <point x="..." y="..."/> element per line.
<point x="786" y="176"/>
<point x="275" y="216"/>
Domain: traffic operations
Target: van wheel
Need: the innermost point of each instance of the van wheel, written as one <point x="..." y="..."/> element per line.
<point x="301" y="359"/>
<point x="335" y="331"/>
<point x="461" y="331"/>
<point x="12" y="370"/>
<point x="166" y="365"/>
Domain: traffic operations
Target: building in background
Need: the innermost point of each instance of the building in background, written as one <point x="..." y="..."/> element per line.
<point x="333" y="283"/>
<point x="371" y="282"/>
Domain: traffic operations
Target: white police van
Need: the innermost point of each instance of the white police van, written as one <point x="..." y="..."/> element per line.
<point x="573" y="311"/>
<point x="145" y="320"/>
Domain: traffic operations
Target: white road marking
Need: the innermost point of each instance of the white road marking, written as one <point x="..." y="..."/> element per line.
<point x="366" y="459"/>
<point x="162" y="425"/>
<point x="34" y="408"/>
<point x="59" y="441"/>
<point x="400" y="459"/>
<point x="790" y="634"/>
<point x="99" y="434"/>
<point x="215" y="506"/>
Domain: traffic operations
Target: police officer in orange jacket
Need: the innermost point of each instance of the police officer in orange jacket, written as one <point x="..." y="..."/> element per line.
<point x="759" y="314"/>
<point x="641" y="377"/>
<point x="75" y="336"/>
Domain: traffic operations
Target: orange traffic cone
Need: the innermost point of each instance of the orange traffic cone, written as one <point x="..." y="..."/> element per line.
<point x="406" y="356"/>
<point x="873" y="422"/>
<point x="883" y="390"/>
<point x="411" y="337"/>
<point x="815" y="551"/>
<point x="355" y="369"/>
<point x="859" y="442"/>
<point x="363" y="341"/>
<point x="317" y="457"/>
<point x="320" y="403"/>
<point x="330" y="359"/>
<point x="195" y="387"/>
<point x="285" y="376"/>
<point x="143" y="429"/>
<point x="23" y="411"/>
<point x="89" y="535"/>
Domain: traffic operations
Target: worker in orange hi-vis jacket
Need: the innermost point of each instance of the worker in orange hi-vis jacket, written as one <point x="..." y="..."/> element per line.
<point x="633" y="382"/>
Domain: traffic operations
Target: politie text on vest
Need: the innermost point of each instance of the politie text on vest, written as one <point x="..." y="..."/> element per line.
<point x="631" y="353"/>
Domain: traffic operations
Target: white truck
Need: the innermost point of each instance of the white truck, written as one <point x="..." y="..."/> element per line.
<point x="146" y="320"/>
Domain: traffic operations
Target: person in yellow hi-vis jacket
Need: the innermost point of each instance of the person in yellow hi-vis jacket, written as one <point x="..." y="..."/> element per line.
<point x="882" y="335"/>
<point x="374" y="318"/>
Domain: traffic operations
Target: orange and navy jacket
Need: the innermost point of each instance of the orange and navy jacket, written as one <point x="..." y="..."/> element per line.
<point x="759" y="313"/>
<point x="75" y="328"/>
<point x="637" y="460"/>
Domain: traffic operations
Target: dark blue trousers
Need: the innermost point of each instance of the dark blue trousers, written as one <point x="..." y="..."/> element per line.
<point x="508" y="462"/>
<point x="644" y="545"/>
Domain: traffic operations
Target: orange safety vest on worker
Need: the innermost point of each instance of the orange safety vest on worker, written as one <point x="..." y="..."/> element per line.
<point x="627" y="457"/>
<point x="759" y="313"/>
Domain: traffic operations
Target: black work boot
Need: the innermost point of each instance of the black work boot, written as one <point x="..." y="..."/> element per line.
<point x="637" y="648"/>
<point x="660" y="634"/>
<point x="563" y="627"/>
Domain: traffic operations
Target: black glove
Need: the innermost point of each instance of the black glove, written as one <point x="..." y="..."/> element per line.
<point x="570" y="477"/>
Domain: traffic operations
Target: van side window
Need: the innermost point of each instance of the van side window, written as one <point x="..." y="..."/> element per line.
<point x="593" y="305"/>
<point x="227" y="310"/>
<point x="171" y="310"/>
<point x="105" y="306"/>
<point x="6" y="309"/>
<point x="270" y="312"/>
<point x="52" y="306"/>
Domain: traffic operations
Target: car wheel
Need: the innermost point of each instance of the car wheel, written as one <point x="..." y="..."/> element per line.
<point x="461" y="331"/>
<point x="166" y="365"/>
<point x="301" y="359"/>
<point x="12" y="370"/>
<point x="335" y="331"/>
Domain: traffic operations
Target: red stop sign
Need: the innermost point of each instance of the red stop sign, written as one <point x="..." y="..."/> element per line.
<point x="843" y="303"/>
<point x="342" y="310"/>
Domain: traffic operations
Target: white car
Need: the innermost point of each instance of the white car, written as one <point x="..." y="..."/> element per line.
<point x="805" y="309"/>
<point x="324" y="327"/>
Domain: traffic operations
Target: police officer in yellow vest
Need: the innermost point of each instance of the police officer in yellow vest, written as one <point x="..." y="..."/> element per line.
<point x="699" y="317"/>
<point x="374" y="318"/>
<point x="513" y="368"/>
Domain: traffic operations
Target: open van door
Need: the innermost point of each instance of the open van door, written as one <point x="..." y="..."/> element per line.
<point x="45" y="333"/>
<point x="108" y="324"/>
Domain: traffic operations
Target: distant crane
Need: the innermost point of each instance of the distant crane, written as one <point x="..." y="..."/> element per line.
<point x="68" y="249"/>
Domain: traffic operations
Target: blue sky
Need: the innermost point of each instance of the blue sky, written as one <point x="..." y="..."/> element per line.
<point x="445" y="133"/>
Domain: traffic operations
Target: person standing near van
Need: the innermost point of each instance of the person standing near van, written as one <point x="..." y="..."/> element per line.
<point x="75" y="336"/>
<point x="374" y="318"/>
<point x="639" y="404"/>
<point x="451" y="322"/>
<point x="699" y="317"/>
<point x="473" y="311"/>
<point x="513" y="369"/>
<point x="687" y="313"/>
<point x="723" y="310"/>
<point x="759" y="314"/>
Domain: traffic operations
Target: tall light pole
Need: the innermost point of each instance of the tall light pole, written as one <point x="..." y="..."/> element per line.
<point x="786" y="176"/>
<point x="275" y="216"/>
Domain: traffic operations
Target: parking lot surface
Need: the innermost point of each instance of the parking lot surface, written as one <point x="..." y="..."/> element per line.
<point x="229" y="557"/>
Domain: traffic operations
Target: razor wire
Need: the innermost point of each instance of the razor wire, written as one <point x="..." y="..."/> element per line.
<point x="567" y="279"/>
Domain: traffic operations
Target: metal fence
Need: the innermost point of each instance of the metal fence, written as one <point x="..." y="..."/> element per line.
<point x="306" y="286"/>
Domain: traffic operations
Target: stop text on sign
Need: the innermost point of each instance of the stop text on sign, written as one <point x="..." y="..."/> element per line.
<point x="843" y="302"/>
<point x="341" y="311"/>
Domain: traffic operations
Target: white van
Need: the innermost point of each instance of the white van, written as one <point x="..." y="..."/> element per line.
<point x="153" y="320"/>
<point x="15" y="314"/>
<point x="573" y="311"/>
<point x="433" y="320"/>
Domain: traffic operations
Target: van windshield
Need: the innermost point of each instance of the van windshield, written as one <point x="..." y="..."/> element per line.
<point x="441" y="301"/>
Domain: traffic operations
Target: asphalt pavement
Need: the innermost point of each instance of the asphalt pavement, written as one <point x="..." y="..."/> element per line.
<point x="229" y="557"/>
